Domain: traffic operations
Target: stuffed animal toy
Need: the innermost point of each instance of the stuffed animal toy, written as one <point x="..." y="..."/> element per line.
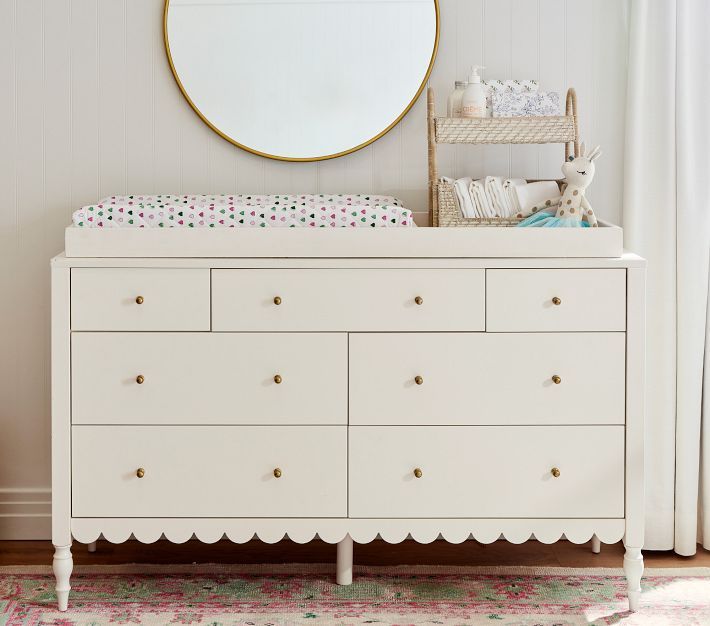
<point x="572" y="209"/>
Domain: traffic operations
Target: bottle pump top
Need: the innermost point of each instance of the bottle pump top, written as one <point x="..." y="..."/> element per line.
<point x="475" y="77"/>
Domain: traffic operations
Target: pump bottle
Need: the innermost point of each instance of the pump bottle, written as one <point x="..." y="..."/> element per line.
<point x="473" y="102"/>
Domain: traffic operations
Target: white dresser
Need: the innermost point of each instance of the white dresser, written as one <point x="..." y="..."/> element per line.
<point x="347" y="397"/>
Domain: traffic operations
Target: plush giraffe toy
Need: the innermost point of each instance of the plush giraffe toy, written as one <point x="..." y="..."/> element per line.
<point x="573" y="206"/>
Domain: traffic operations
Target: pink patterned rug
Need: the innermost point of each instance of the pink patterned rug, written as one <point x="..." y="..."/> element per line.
<point x="276" y="595"/>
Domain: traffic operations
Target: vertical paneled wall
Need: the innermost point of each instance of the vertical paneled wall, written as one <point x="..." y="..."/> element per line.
<point x="88" y="108"/>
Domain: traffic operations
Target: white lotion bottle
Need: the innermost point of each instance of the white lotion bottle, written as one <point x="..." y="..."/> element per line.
<point x="453" y="108"/>
<point x="473" y="102"/>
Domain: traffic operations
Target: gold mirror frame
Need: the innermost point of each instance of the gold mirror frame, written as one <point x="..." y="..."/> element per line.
<point x="300" y="159"/>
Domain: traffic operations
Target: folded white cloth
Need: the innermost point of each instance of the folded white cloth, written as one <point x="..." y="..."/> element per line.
<point x="496" y="195"/>
<point x="481" y="199"/>
<point x="509" y="186"/>
<point x="535" y="194"/>
<point x="463" y="195"/>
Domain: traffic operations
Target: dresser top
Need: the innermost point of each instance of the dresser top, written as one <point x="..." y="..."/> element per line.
<point x="626" y="260"/>
<point x="376" y="243"/>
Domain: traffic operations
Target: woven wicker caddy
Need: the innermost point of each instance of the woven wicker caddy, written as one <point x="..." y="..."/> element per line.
<point x="443" y="207"/>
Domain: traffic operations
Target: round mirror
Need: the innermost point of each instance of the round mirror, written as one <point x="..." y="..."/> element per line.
<point x="301" y="80"/>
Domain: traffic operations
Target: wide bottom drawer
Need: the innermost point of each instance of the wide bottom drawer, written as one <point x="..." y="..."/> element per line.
<point x="486" y="471"/>
<point x="209" y="471"/>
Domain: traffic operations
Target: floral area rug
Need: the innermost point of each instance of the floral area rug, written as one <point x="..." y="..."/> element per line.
<point x="276" y="595"/>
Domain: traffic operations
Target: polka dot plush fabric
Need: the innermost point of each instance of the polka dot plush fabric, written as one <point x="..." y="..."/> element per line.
<point x="245" y="211"/>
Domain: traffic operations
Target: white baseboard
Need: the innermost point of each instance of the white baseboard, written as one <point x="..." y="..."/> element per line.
<point x="25" y="514"/>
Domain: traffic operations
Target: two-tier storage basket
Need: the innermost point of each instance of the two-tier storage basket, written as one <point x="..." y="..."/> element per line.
<point x="444" y="209"/>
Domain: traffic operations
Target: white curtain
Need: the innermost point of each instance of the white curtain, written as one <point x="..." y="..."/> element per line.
<point x="667" y="220"/>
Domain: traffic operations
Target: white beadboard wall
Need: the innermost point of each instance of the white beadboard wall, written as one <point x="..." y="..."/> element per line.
<point x="88" y="108"/>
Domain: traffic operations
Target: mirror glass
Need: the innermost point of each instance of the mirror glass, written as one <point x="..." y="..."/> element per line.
<point x="301" y="79"/>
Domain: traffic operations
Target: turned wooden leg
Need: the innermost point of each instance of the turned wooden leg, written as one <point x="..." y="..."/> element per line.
<point x="62" y="566"/>
<point x="91" y="547"/>
<point x="344" y="575"/>
<point x="596" y="545"/>
<point x="633" y="568"/>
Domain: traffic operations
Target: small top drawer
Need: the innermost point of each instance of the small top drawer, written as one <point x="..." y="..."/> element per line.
<point x="140" y="299"/>
<point x="348" y="300"/>
<point x="556" y="300"/>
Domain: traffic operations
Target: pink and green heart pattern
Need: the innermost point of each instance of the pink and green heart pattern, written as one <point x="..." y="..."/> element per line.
<point x="244" y="211"/>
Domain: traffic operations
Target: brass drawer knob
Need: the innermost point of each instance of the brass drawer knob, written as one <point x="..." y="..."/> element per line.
<point x="277" y="472"/>
<point x="555" y="472"/>
<point x="277" y="300"/>
<point x="417" y="472"/>
<point x="140" y="472"/>
<point x="419" y="300"/>
<point x="419" y="380"/>
<point x="556" y="301"/>
<point x="140" y="379"/>
<point x="278" y="379"/>
<point x="556" y="379"/>
<point x="140" y="300"/>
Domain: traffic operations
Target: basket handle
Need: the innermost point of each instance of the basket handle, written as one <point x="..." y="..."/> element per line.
<point x="571" y="109"/>
<point x="433" y="173"/>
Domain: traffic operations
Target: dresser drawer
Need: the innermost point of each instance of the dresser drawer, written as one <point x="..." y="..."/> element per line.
<point x="556" y="300"/>
<point x="140" y="299"/>
<point x="487" y="378"/>
<point x="209" y="378"/>
<point x="482" y="471"/>
<point x="342" y="300"/>
<point x="203" y="471"/>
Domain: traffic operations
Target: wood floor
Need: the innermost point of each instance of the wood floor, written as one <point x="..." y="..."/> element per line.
<point x="532" y="553"/>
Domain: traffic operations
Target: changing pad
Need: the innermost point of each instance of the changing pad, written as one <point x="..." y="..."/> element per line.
<point x="244" y="211"/>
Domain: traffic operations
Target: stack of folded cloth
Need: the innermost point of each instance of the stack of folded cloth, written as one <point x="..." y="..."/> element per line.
<point x="496" y="197"/>
<point x="492" y="196"/>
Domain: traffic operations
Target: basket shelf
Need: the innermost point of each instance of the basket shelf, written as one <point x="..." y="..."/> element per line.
<point x="444" y="209"/>
<point x="448" y="214"/>
<point x="509" y="130"/>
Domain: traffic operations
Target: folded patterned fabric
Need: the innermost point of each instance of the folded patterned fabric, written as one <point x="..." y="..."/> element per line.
<point x="244" y="211"/>
<point x="510" y="104"/>
<point x="514" y="86"/>
<point x="506" y="86"/>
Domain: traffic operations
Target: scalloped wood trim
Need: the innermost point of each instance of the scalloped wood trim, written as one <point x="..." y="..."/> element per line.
<point x="147" y="530"/>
